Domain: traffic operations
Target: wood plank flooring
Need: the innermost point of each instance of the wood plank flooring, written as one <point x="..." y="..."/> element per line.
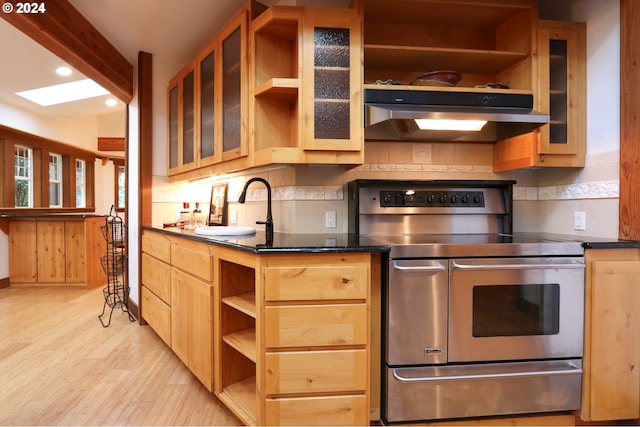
<point x="59" y="366"/>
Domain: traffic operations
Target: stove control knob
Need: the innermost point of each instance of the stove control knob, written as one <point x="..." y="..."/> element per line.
<point x="386" y="199"/>
<point x="454" y="198"/>
<point x="430" y="198"/>
<point x="465" y="198"/>
<point x="478" y="198"/>
<point x="443" y="198"/>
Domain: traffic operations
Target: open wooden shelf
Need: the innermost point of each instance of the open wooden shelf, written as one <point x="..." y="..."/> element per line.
<point x="281" y="87"/>
<point x="245" y="303"/>
<point x="241" y="398"/>
<point x="412" y="58"/>
<point x="244" y="342"/>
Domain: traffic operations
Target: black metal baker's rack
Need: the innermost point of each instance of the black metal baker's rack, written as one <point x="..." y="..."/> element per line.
<point x="114" y="264"/>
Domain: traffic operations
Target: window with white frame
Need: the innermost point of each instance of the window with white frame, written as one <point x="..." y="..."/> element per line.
<point x="121" y="186"/>
<point x="81" y="187"/>
<point x="55" y="180"/>
<point x="23" y="163"/>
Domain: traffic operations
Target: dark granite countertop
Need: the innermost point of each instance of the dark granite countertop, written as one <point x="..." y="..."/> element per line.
<point x="345" y="242"/>
<point x="282" y="242"/>
<point x="588" y="242"/>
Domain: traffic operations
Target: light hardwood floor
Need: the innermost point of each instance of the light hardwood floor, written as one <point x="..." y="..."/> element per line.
<point x="59" y="366"/>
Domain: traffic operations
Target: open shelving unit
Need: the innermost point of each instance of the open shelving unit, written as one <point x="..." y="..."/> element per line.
<point x="236" y="385"/>
<point x="484" y="40"/>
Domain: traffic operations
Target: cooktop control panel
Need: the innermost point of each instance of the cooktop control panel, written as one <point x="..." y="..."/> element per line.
<point x="431" y="198"/>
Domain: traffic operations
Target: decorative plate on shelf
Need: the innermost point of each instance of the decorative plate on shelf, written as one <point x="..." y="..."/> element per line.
<point x="438" y="78"/>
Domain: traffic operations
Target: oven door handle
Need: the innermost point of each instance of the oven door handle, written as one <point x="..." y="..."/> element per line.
<point x="439" y="267"/>
<point x="516" y="266"/>
<point x="574" y="369"/>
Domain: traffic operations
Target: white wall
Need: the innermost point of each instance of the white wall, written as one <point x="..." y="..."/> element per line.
<point x="549" y="204"/>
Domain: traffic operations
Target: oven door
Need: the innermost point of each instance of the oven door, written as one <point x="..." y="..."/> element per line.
<point x="416" y="296"/>
<point x="516" y="308"/>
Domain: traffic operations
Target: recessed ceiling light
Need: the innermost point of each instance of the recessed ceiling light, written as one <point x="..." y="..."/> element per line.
<point x="111" y="102"/>
<point x="63" y="71"/>
<point x="66" y="92"/>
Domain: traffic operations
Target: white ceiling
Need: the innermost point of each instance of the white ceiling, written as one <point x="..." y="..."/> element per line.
<point x="171" y="30"/>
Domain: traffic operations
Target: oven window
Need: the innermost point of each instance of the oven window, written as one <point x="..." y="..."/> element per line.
<point x="516" y="310"/>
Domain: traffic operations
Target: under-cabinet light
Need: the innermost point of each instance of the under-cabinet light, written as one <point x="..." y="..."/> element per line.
<point x="439" y="124"/>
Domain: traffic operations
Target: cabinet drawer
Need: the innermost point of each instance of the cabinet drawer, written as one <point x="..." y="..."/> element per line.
<point x="157" y="246"/>
<point x="316" y="325"/>
<point x="316" y="371"/>
<point x="156" y="276"/>
<point x="193" y="261"/>
<point x="350" y="410"/>
<point x="316" y="283"/>
<point x="157" y="314"/>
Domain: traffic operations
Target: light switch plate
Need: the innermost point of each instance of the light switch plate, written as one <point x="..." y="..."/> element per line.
<point x="579" y="221"/>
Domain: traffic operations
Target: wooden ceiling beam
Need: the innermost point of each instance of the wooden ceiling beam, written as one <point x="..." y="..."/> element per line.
<point x="64" y="31"/>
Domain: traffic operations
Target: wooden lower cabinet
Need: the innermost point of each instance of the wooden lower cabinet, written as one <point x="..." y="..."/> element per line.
<point x="157" y="313"/>
<point x="192" y="324"/>
<point x="280" y="339"/>
<point x="23" y="253"/>
<point x="294" y="338"/>
<point x="56" y="251"/>
<point x="319" y="410"/>
<point x="611" y="381"/>
<point x="177" y="298"/>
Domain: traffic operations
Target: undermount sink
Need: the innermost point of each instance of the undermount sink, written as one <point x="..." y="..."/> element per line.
<point x="224" y="230"/>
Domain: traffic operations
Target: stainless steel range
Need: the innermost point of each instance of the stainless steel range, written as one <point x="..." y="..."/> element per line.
<point x="478" y="321"/>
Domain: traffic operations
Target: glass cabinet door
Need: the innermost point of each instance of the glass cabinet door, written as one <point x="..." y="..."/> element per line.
<point x="332" y="82"/>
<point x="181" y="126"/>
<point x="173" y="128"/>
<point x="207" y="124"/>
<point x="188" y="117"/>
<point x="560" y="74"/>
<point x="233" y="87"/>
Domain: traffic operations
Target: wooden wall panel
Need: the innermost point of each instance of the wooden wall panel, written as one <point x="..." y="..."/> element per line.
<point x="629" y="212"/>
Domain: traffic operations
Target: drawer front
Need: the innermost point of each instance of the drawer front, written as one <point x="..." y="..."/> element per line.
<point x="157" y="314"/>
<point x="193" y="261"/>
<point x="156" y="276"/>
<point x="157" y="246"/>
<point x="316" y="325"/>
<point x="316" y="283"/>
<point x="316" y="371"/>
<point x="350" y="410"/>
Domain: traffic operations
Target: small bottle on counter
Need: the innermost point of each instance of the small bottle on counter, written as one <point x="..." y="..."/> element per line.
<point x="198" y="217"/>
<point x="185" y="216"/>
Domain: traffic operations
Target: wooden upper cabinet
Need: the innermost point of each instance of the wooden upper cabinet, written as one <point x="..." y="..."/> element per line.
<point x="233" y="86"/>
<point x="487" y="41"/>
<point x="332" y="82"/>
<point x="562" y="84"/>
<point x="561" y="93"/>
<point x="306" y="86"/>
<point x="181" y="123"/>
<point x="207" y="123"/>
<point x="207" y="104"/>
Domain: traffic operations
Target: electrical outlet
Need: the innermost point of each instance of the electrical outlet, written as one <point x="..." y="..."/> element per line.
<point x="233" y="217"/>
<point x="330" y="219"/>
<point x="579" y="221"/>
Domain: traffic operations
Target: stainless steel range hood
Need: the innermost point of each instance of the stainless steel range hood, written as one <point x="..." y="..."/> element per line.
<point x="392" y="114"/>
